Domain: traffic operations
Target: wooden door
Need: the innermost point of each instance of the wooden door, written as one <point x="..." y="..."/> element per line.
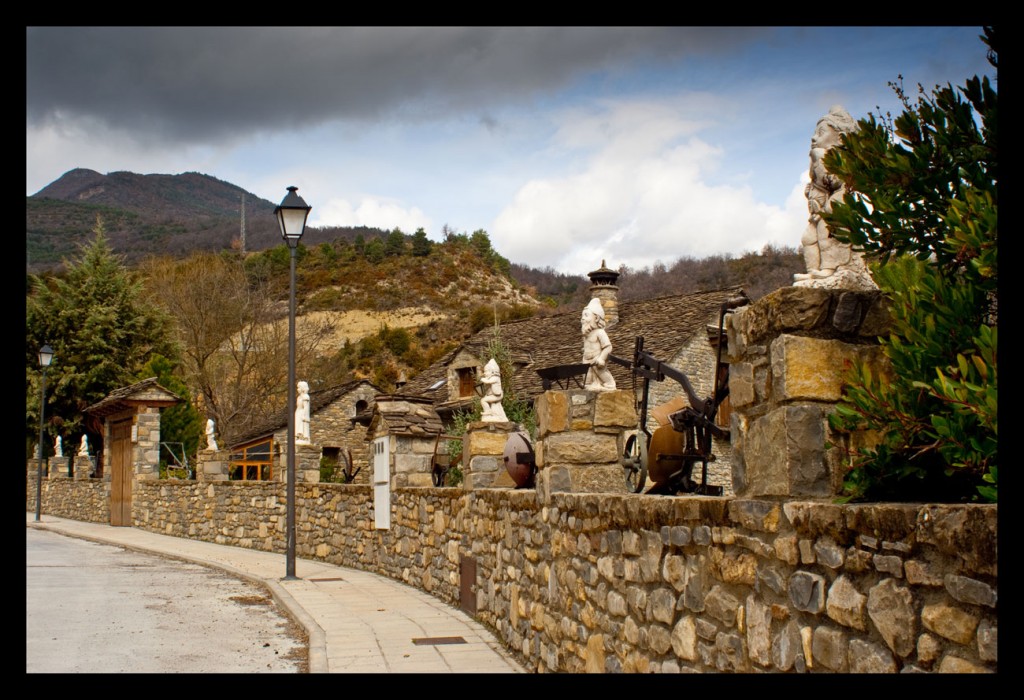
<point x="121" y="474"/>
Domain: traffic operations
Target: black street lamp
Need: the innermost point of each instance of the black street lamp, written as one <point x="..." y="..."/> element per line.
<point x="45" y="358"/>
<point x="291" y="215"/>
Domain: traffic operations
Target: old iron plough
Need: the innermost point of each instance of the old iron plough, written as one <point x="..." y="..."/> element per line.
<point x="670" y="453"/>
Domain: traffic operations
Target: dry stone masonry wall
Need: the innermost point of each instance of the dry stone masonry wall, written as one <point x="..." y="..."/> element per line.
<point x="636" y="583"/>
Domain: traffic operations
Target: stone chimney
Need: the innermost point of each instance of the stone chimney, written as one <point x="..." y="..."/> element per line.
<point x="604" y="289"/>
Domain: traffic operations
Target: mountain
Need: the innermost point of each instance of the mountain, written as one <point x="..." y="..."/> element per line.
<point x="387" y="303"/>
<point x="174" y="215"/>
<point x="150" y="214"/>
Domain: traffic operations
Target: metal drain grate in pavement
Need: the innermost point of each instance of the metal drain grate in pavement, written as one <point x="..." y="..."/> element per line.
<point x="322" y="580"/>
<point x="439" y="640"/>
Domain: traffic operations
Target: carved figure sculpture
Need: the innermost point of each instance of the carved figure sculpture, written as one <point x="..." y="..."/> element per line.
<point x="490" y="405"/>
<point x="58" y="450"/>
<point x="596" y="348"/>
<point x="211" y="439"/>
<point x="830" y="264"/>
<point x="83" y="448"/>
<point x="302" y="414"/>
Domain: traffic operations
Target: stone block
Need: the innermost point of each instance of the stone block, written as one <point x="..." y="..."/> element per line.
<point x="616" y="409"/>
<point x="419" y="480"/>
<point x="411" y="463"/>
<point x="812" y="368"/>
<point x="580" y="448"/>
<point x="481" y="442"/>
<point x="784" y="454"/>
<point x="483" y="464"/>
<point x="552" y="412"/>
<point x="596" y="478"/>
<point x="807" y="591"/>
<point x="741" y="384"/>
<point x="58" y="468"/>
<point x="891" y="608"/>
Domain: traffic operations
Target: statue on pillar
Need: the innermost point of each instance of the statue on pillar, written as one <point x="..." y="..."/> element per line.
<point x="490" y="405"/>
<point x="83" y="447"/>
<point x="302" y="434"/>
<point x="58" y="450"/>
<point x="596" y="348"/>
<point x="830" y="264"/>
<point x="211" y="439"/>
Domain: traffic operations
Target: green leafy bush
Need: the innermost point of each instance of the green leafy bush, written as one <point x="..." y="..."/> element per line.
<point x="922" y="203"/>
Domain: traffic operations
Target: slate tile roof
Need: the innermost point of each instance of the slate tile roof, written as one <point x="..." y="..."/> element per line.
<point x="405" y="415"/>
<point x="148" y="391"/>
<point x="666" y="323"/>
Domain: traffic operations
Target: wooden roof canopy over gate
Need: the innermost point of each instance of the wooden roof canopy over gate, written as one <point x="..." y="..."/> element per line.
<point x="145" y="393"/>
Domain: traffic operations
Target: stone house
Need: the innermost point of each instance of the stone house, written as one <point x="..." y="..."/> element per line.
<point x="680" y="330"/>
<point x="338" y="421"/>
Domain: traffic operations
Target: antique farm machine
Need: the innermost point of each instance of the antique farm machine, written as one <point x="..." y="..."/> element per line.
<point x="669" y="454"/>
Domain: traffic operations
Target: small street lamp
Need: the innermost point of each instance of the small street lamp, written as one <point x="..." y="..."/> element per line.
<point x="291" y="215"/>
<point x="45" y="358"/>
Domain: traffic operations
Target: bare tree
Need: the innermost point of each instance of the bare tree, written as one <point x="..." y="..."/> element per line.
<point x="233" y="335"/>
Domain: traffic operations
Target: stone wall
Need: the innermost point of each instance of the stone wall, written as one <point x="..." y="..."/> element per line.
<point x="78" y="499"/>
<point x="779" y="580"/>
<point x="636" y="583"/>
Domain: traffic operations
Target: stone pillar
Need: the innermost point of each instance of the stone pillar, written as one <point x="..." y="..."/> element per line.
<point x="307" y="464"/>
<point x="411" y="459"/>
<point x="581" y="438"/>
<point x="483" y="447"/>
<point x="84" y="467"/>
<point x="58" y="467"/>
<point x="146" y="443"/>
<point x="212" y="465"/>
<point x="787" y="353"/>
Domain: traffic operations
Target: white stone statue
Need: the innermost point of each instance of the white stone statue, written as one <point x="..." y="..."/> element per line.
<point x="211" y="438"/>
<point x="596" y="348"/>
<point x="83" y="448"/>
<point x="58" y="449"/>
<point x="830" y="264"/>
<point x="490" y="405"/>
<point x="36" y="451"/>
<point x="302" y="414"/>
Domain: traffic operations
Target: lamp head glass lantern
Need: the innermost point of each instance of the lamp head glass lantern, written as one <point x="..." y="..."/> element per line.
<point x="291" y="215"/>
<point x="45" y="356"/>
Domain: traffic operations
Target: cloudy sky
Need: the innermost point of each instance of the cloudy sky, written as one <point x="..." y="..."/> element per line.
<point x="567" y="145"/>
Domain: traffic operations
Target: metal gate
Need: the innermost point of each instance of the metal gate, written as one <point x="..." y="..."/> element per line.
<point x="121" y="473"/>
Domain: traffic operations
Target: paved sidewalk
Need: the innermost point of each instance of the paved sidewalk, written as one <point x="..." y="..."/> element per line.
<point x="357" y="622"/>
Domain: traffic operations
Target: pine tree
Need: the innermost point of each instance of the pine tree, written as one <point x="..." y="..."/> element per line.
<point x="102" y="330"/>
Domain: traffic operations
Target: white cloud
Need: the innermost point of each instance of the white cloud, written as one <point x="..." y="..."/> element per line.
<point x="639" y="196"/>
<point x="374" y="212"/>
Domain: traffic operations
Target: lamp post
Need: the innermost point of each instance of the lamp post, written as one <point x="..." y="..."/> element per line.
<point x="291" y="215"/>
<point x="45" y="358"/>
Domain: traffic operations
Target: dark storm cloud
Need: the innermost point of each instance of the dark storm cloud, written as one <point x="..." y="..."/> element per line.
<point x="202" y="83"/>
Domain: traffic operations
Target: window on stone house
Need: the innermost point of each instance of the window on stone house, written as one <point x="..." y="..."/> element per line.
<point x="252" y="462"/>
<point x="330" y="462"/>
<point x="467" y="381"/>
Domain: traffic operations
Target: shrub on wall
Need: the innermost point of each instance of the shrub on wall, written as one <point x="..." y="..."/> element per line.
<point x="922" y="203"/>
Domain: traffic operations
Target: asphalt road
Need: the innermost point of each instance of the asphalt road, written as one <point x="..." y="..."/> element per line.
<point x="95" y="608"/>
